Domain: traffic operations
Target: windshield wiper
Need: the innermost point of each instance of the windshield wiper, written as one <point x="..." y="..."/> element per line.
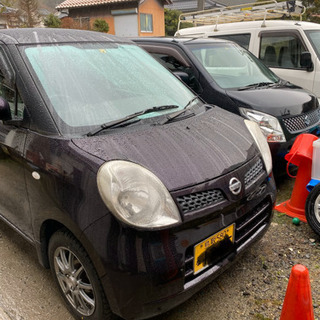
<point x="257" y="85"/>
<point x="178" y="113"/>
<point x="117" y="122"/>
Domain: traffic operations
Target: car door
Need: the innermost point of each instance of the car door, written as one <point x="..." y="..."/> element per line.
<point x="281" y="51"/>
<point x="14" y="204"/>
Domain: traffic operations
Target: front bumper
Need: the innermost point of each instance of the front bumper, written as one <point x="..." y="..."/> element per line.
<point x="280" y="149"/>
<point x="150" y="272"/>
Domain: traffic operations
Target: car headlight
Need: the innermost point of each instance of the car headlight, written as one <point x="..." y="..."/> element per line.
<point x="269" y="125"/>
<point x="261" y="142"/>
<point x="136" y="196"/>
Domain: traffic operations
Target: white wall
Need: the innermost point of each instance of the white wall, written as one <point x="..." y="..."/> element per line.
<point x="126" y="25"/>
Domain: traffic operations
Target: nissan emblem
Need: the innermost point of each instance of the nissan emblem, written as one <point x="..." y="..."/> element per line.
<point x="235" y="186"/>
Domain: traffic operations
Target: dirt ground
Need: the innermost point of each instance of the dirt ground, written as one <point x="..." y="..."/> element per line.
<point x="253" y="288"/>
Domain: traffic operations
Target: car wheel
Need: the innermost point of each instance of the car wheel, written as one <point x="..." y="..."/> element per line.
<point x="312" y="209"/>
<point x="76" y="278"/>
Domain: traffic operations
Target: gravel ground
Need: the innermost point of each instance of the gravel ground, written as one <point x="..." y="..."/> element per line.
<point x="253" y="288"/>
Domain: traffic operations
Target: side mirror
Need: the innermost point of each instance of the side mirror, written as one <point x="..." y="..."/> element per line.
<point x="305" y="61"/>
<point x="5" y="113"/>
<point x="182" y="76"/>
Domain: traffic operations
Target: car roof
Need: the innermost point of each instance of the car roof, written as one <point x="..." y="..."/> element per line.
<point x="180" y="41"/>
<point x="54" y="35"/>
<point x="247" y="25"/>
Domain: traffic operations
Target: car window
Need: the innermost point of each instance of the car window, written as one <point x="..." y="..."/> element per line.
<point x="8" y="90"/>
<point x="230" y="65"/>
<point x="15" y="102"/>
<point x="281" y="51"/>
<point x="89" y="84"/>
<point x="314" y="37"/>
<point x="242" y="39"/>
<point x="173" y="64"/>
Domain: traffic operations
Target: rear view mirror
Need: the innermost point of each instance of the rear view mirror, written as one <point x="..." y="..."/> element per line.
<point x="5" y="113"/>
<point x="305" y="61"/>
<point x="182" y="76"/>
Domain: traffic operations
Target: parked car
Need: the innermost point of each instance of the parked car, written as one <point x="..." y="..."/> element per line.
<point x="290" y="48"/>
<point x="133" y="191"/>
<point x="225" y="74"/>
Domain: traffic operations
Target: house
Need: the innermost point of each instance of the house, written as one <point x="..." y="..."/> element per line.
<point x="9" y="17"/>
<point x="128" y="18"/>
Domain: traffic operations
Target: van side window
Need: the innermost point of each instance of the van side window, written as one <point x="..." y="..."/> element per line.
<point x="241" y="39"/>
<point x="281" y="51"/>
<point x="174" y="64"/>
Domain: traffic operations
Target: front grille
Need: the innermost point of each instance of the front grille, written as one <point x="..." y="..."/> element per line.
<point x="253" y="174"/>
<point x="198" y="200"/>
<point x="248" y="225"/>
<point x="246" y="228"/>
<point x="301" y="122"/>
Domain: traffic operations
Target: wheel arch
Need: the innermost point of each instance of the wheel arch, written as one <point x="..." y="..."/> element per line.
<point x="49" y="227"/>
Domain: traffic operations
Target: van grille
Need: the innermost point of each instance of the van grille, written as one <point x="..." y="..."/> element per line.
<point x="302" y="122"/>
<point x="246" y="228"/>
<point x="198" y="200"/>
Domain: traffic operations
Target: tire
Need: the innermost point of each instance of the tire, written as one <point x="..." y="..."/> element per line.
<point x="312" y="209"/>
<point x="76" y="278"/>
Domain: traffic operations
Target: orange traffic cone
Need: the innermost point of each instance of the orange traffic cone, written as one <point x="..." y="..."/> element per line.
<point x="301" y="156"/>
<point x="297" y="303"/>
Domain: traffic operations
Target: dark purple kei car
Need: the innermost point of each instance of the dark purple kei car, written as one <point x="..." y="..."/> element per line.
<point x="133" y="190"/>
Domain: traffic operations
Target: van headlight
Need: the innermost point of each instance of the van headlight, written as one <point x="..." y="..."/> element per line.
<point x="269" y="125"/>
<point x="136" y="196"/>
<point x="261" y="142"/>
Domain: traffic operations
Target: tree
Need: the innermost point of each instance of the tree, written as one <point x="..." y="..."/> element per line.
<point x="9" y="3"/>
<point x="171" y="18"/>
<point x="100" y="25"/>
<point x="29" y="11"/>
<point x="51" y="21"/>
<point x="313" y="10"/>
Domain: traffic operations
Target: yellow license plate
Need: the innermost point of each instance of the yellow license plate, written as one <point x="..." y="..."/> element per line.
<point x="200" y="250"/>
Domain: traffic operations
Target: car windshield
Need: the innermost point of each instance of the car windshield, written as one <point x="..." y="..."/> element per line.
<point x="231" y="66"/>
<point x="314" y="37"/>
<point x="89" y="84"/>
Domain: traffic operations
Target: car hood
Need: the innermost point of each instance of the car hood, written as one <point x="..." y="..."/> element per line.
<point x="278" y="101"/>
<point x="181" y="153"/>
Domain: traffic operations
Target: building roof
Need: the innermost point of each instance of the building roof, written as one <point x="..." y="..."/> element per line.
<point x="190" y="5"/>
<point x="89" y="3"/>
<point x="233" y="2"/>
<point x="7" y="10"/>
<point x="43" y="12"/>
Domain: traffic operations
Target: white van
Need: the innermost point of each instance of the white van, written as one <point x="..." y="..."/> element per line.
<point x="290" y="48"/>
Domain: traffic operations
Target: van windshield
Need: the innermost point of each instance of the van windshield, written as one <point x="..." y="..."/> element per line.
<point x="89" y="84"/>
<point x="314" y="37"/>
<point x="231" y="66"/>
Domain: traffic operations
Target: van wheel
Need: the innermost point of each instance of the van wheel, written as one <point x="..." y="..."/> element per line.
<point x="312" y="209"/>
<point x="76" y="277"/>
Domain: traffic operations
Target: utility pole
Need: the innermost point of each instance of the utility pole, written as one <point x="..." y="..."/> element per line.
<point x="201" y="5"/>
